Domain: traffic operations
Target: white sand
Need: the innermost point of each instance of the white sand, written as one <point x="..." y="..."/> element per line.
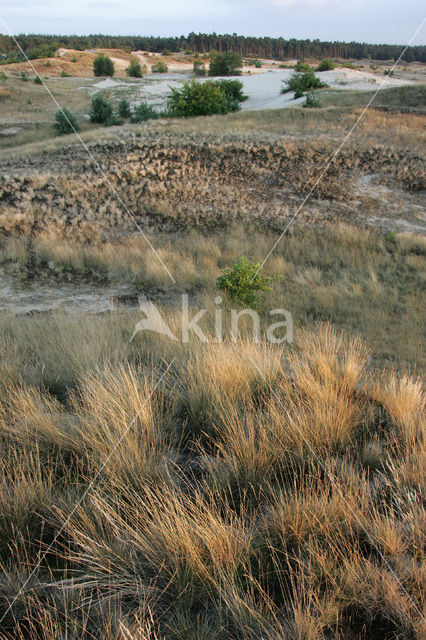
<point x="262" y="87"/>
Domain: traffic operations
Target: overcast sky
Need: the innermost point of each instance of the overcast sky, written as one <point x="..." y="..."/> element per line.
<point x="378" y="21"/>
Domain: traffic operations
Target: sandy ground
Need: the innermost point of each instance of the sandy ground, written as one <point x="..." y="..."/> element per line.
<point x="263" y="88"/>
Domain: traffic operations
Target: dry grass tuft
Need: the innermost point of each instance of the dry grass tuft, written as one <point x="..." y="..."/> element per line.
<point x="238" y="505"/>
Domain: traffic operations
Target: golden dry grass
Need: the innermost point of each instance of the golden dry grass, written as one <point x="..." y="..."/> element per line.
<point x="261" y="492"/>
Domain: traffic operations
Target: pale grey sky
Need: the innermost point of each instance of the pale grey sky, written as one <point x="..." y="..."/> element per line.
<point x="390" y="21"/>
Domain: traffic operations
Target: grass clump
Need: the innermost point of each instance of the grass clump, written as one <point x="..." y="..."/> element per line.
<point x="258" y="495"/>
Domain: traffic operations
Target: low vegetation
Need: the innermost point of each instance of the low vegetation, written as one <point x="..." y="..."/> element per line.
<point x="65" y="122"/>
<point x="135" y="69"/>
<point x="301" y="82"/>
<point x="326" y="65"/>
<point x="159" y="67"/>
<point x="225" y="64"/>
<point x="360" y="281"/>
<point x="205" y="98"/>
<point x="199" y="68"/>
<point x="103" y="66"/>
<point x="260" y="491"/>
<point x="243" y="281"/>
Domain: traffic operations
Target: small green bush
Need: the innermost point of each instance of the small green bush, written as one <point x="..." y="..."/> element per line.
<point x="257" y="64"/>
<point x="302" y="66"/>
<point x="3" y="76"/>
<point x="143" y="112"/>
<point x="298" y="94"/>
<point x="390" y="237"/>
<point x="326" y="65"/>
<point x="113" y="121"/>
<point x="233" y="89"/>
<point x="65" y="122"/>
<point x="124" y="109"/>
<point x="64" y="74"/>
<point x="197" y="99"/>
<point x="24" y="76"/>
<point x="312" y="100"/>
<point x="160" y="67"/>
<point x="205" y="98"/>
<point x="38" y="80"/>
<point x="301" y="82"/>
<point x="225" y="64"/>
<point x="242" y="281"/>
<point x="199" y="68"/>
<point x="103" y="66"/>
<point x="134" y="69"/>
<point x="73" y="59"/>
<point x="100" y="110"/>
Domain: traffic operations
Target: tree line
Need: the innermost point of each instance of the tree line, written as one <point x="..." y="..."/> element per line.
<point x="40" y="46"/>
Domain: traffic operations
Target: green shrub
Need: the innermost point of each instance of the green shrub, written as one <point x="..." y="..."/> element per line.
<point x="103" y="66"/>
<point x="65" y="122"/>
<point x="257" y="64"/>
<point x="64" y="74"/>
<point x="242" y="281"/>
<point x="326" y="65"/>
<point x="38" y="80"/>
<point x="124" y="109"/>
<point x="197" y="99"/>
<point x="301" y="66"/>
<point x="225" y="64"/>
<point x="135" y="69"/>
<point x="199" y="68"/>
<point x="24" y="76"/>
<point x="390" y="236"/>
<point x="160" y="67"/>
<point x="166" y="52"/>
<point x="205" y="98"/>
<point x="100" y="110"/>
<point x="298" y="94"/>
<point x="233" y="89"/>
<point x="113" y="121"/>
<point x="301" y="82"/>
<point x="144" y="112"/>
<point x="48" y="63"/>
<point x="73" y="59"/>
<point x="312" y="100"/>
<point x="388" y="72"/>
